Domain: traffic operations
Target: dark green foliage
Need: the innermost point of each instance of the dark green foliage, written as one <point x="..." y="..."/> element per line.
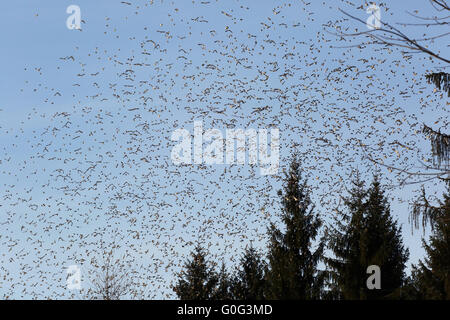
<point x="433" y="275"/>
<point x="440" y="145"/>
<point x="440" y="80"/>
<point x="347" y="275"/>
<point x="198" y="280"/>
<point x="293" y="272"/>
<point x="440" y="142"/>
<point x="224" y="285"/>
<point x="366" y="235"/>
<point x="424" y="210"/>
<point x="249" y="282"/>
<point x="412" y="289"/>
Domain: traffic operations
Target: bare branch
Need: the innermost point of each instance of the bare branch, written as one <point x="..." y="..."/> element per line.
<point x="391" y="36"/>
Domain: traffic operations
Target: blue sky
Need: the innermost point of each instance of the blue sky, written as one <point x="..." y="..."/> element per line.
<point x="59" y="117"/>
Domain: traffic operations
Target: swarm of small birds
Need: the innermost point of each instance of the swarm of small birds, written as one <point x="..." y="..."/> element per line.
<point x="90" y="167"/>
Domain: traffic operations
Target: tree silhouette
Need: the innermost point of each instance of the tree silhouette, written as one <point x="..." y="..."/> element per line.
<point x="366" y="235"/>
<point x="432" y="276"/>
<point x="198" y="280"/>
<point x="249" y="282"/>
<point x="293" y="263"/>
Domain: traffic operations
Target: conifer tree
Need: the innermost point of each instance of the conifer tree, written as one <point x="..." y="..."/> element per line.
<point x="383" y="245"/>
<point x="347" y="275"/>
<point x="249" y="282"/>
<point x="293" y="264"/>
<point x="367" y="236"/>
<point x="433" y="274"/>
<point x="198" y="280"/>
<point x="224" y="285"/>
<point x="412" y="288"/>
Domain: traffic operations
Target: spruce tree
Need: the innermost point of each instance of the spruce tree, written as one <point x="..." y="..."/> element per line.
<point x="346" y="274"/>
<point x="433" y="275"/>
<point x="412" y="288"/>
<point x="224" y="285"/>
<point x="293" y="264"/>
<point x="367" y="236"/>
<point x="198" y="280"/>
<point x="383" y="245"/>
<point x="249" y="282"/>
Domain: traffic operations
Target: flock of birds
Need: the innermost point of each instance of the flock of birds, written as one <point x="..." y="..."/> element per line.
<point x="98" y="174"/>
